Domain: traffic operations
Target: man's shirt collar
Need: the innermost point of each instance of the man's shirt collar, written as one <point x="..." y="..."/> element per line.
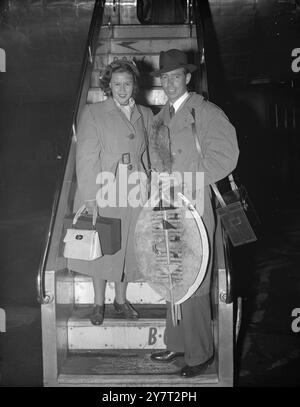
<point x="180" y="101"/>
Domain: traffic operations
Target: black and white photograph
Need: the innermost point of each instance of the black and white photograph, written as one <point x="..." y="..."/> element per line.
<point x="149" y="196"/>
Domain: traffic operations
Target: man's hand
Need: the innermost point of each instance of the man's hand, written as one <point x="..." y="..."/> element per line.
<point x="168" y="184"/>
<point x="169" y="180"/>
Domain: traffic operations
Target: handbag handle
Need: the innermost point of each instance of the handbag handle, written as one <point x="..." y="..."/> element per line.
<point x="79" y="213"/>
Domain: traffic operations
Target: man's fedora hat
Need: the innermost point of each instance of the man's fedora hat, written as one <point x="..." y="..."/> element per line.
<point x="172" y="59"/>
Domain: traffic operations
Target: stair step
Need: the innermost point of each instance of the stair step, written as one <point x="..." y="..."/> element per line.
<point x="152" y="31"/>
<point x="128" y="367"/>
<point x="117" y="333"/>
<point x="145" y="80"/>
<point x="141" y="43"/>
<point x="150" y="97"/>
<point x="150" y="61"/>
<point x="145" y="45"/>
<point x="137" y="293"/>
<point x="147" y="312"/>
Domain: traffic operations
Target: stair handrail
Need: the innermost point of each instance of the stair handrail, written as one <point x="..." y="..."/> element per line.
<point x="200" y="27"/>
<point x="95" y="26"/>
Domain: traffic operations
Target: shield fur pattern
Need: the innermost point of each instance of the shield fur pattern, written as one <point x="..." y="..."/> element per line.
<point x="162" y="232"/>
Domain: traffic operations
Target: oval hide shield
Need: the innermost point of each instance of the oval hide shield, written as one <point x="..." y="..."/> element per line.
<point x="172" y="249"/>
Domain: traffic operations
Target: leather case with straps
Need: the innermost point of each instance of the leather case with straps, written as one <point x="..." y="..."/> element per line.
<point x="237" y="214"/>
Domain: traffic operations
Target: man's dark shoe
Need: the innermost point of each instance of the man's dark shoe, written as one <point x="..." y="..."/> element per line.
<point x="97" y="315"/>
<point x="165" y="356"/>
<point x="126" y="310"/>
<point x="192" y="371"/>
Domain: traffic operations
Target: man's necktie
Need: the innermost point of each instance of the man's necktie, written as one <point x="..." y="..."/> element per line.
<point x="172" y="111"/>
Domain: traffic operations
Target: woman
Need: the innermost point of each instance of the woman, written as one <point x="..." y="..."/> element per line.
<point x="112" y="139"/>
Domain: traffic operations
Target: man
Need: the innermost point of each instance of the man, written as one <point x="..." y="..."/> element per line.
<point x="203" y="140"/>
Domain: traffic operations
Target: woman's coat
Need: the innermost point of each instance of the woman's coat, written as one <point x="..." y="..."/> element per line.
<point x="104" y="136"/>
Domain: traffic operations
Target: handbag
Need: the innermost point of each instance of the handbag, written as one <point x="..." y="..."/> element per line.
<point x="109" y="230"/>
<point x="237" y="214"/>
<point x="82" y="244"/>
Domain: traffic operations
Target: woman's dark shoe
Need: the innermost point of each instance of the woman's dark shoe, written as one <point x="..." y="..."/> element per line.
<point x="97" y="315"/>
<point x="126" y="310"/>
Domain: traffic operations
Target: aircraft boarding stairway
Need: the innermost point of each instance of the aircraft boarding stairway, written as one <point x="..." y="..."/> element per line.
<point x="117" y="353"/>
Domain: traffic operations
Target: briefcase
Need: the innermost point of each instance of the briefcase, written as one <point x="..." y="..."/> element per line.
<point x="109" y="230"/>
<point x="237" y="214"/>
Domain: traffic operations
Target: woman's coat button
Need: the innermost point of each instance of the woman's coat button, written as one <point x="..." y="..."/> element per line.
<point x="131" y="136"/>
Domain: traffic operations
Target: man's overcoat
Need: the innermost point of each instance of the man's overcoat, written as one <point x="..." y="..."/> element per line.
<point x="218" y="156"/>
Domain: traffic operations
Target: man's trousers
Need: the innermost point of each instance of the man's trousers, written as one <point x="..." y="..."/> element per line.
<point x="193" y="335"/>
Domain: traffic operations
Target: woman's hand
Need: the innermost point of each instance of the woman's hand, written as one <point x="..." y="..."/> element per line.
<point x="91" y="205"/>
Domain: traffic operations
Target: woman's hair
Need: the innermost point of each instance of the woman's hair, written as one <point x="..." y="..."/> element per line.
<point x="119" y="65"/>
